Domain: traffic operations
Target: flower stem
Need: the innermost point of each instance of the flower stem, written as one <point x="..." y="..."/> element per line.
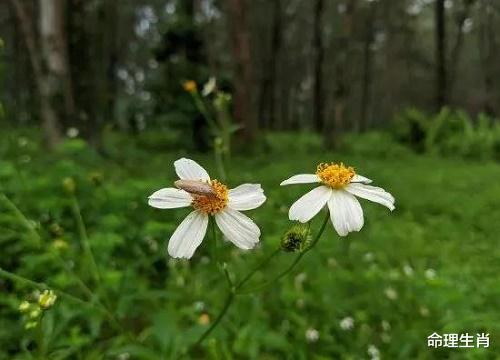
<point x="41" y="286"/>
<point x="225" y="308"/>
<point x="293" y="264"/>
<point x="75" y="207"/>
<point x="22" y="218"/>
<point x="257" y="268"/>
<point x="235" y="289"/>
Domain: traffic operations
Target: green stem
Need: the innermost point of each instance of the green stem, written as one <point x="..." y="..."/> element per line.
<point x="216" y="253"/>
<point x="293" y="264"/>
<point x="27" y="224"/>
<point x="219" y="162"/>
<point x="225" y="308"/>
<point x="234" y="290"/>
<point x="257" y="268"/>
<point x="41" y="286"/>
<point x="84" y="238"/>
<point x="39" y="340"/>
<point x="198" y="101"/>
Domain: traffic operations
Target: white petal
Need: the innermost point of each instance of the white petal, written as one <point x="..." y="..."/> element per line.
<point x="238" y="228"/>
<point x="188" y="235"/>
<point x="170" y="198"/>
<point x="345" y="212"/>
<point x="188" y="169"/>
<point x="306" y="207"/>
<point x="372" y="193"/>
<point x="360" y="179"/>
<point x="301" y="179"/>
<point x="246" y="197"/>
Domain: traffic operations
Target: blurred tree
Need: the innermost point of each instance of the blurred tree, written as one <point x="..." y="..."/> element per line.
<point x="319" y="55"/>
<point x="342" y="80"/>
<point x="243" y="74"/>
<point x="441" y="46"/>
<point x="50" y="63"/>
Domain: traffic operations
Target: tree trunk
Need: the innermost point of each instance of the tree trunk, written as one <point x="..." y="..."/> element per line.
<point x="367" y="69"/>
<point x="333" y="132"/>
<point x="319" y="55"/>
<point x="243" y="76"/>
<point x="457" y="48"/>
<point x="489" y="59"/>
<point x="49" y="116"/>
<point x="267" y="101"/>
<point x="441" y="75"/>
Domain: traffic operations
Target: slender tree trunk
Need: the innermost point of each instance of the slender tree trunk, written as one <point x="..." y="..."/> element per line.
<point x="489" y="59"/>
<point x="333" y="132"/>
<point x="367" y="69"/>
<point x="319" y="56"/>
<point x="268" y="88"/>
<point x="441" y="74"/>
<point x="243" y="77"/>
<point x="48" y="113"/>
<point x="457" y="48"/>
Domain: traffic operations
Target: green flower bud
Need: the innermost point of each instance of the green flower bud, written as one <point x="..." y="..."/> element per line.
<point x="69" y="185"/>
<point x="35" y="313"/>
<point x="47" y="299"/>
<point x="30" y="325"/>
<point x="24" y="306"/>
<point x="297" y="238"/>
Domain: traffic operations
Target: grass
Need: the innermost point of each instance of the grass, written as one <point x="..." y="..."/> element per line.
<point x="430" y="266"/>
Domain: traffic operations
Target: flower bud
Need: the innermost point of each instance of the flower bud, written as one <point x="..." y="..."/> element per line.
<point x="69" y="185"/>
<point x="296" y="238"/>
<point x="35" y="313"/>
<point x="47" y="299"/>
<point x="190" y="86"/>
<point x="30" y="325"/>
<point x="24" y="307"/>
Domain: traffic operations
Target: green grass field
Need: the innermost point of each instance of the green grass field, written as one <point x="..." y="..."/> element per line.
<point x="432" y="265"/>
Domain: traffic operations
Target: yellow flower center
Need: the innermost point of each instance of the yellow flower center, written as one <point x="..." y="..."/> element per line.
<point x="335" y="175"/>
<point x="212" y="204"/>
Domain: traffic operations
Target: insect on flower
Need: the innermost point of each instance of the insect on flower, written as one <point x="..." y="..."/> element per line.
<point x="338" y="190"/>
<point x="208" y="197"/>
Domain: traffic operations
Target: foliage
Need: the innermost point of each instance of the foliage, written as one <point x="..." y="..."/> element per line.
<point x="430" y="266"/>
<point x="449" y="133"/>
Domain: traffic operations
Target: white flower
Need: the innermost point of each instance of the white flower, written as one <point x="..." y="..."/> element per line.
<point x="208" y="197"/>
<point x="391" y="293"/>
<point x="338" y="190"/>
<point x="430" y="274"/>
<point x="209" y="86"/>
<point x="312" y="335"/>
<point x="347" y="323"/>
<point x="373" y="352"/>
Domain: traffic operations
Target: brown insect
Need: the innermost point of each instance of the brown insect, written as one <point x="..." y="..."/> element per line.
<point x="196" y="187"/>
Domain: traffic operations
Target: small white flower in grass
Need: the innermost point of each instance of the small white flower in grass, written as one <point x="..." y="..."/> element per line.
<point x="312" y="335"/>
<point x="373" y="352"/>
<point x="391" y="293"/>
<point x="208" y="198"/>
<point x="347" y="323"/>
<point x="430" y="274"/>
<point x="338" y="190"/>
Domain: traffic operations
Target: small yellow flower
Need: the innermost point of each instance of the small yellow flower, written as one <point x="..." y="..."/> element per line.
<point x="30" y="325"/>
<point x="47" y="299"/>
<point x="190" y="86"/>
<point x="24" y="306"/>
<point x="204" y="319"/>
<point x="59" y="244"/>
<point x="69" y="185"/>
<point x="35" y="313"/>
